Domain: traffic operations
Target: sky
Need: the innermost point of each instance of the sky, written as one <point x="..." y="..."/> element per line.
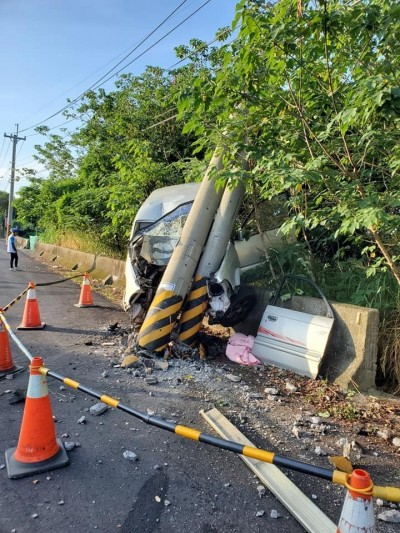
<point x="56" y="49"/>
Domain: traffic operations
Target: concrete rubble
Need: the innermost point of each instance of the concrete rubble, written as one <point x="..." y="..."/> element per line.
<point x="251" y="395"/>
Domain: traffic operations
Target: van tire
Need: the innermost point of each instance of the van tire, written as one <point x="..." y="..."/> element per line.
<point x="241" y="304"/>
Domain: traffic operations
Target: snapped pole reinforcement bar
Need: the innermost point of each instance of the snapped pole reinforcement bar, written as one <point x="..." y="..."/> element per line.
<point x="335" y="476"/>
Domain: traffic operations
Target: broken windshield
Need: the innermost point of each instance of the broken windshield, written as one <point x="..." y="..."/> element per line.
<point x="170" y="225"/>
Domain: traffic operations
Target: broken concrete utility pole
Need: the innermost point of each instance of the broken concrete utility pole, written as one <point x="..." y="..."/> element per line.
<point x="196" y="302"/>
<point x="155" y="333"/>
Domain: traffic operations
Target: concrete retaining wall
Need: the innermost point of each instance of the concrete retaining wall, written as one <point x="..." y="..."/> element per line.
<point x="111" y="271"/>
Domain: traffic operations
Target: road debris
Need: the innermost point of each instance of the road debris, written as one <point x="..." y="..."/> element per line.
<point x="98" y="409"/>
<point x="131" y="456"/>
<point x="391" y="515"/>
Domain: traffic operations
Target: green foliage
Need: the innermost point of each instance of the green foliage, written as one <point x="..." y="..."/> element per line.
<point x="309" y="97"/>
<point x="346" y="281"/>
<point x="313" y="100"/>
<point x="130" y="143"/>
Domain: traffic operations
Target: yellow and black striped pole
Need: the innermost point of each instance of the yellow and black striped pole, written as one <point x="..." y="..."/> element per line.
<point x="155" y="332"/>
<point x="193" y="311"/>
<point x="196" y="302"/>
<point x="160" y="320"/>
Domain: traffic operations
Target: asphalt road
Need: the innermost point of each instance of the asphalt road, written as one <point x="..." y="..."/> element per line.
<point x="175" y="485"/>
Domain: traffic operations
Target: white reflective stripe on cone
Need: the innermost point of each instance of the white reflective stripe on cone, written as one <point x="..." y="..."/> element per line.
<point x="37" y="387"/>
<point x="31" y="294"/>
<point x="357" y="516"/>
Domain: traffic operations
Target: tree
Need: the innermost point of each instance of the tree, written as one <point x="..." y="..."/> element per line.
<point x="319" y="83"/>
<point x="128" y="144"/>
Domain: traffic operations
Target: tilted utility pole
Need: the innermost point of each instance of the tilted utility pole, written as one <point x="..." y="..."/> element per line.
<point x="10" y="215"/>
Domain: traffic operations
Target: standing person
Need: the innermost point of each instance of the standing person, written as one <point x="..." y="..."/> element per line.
<point x="12" y="249"/>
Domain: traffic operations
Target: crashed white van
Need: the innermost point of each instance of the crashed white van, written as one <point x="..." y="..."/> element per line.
<point x="156" y="231"/>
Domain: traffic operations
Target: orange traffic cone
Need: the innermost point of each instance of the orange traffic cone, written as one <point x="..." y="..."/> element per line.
<point x="31" y="317"/>
<point x="85" y="299"/>
<point x="6" y="363"/>
<point x="38" y="448"/>
<point x="358" y="511"/>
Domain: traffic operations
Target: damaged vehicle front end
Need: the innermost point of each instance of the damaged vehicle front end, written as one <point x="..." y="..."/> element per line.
<point x="155" y="233"/>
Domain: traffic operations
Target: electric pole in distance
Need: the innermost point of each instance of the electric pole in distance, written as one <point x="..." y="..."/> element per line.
<point x="15" y="140"/>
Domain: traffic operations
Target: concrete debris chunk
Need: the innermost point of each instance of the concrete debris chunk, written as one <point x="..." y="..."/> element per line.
<point x="160" y="364"/>
<point x="151" y="380"/>
<point x="130" y="361"/>
<point x="233" y="378"/>
<point x="275" y="514"/>
<point x="347" y="450"/>
<point x="271" y="390"/>
<point x="391" y="516"/>
<point x="260" y="513"/>
<point x="82" y="420"/>
<point x="273" y="398"/>
<point x="296" y="432"/>
<point x="167" y="503"/>
<point x="320" y="451"/>
<point x="18" y="396"/>
<point x="384" y="434"/>
<point x="98" y="409"/>
<point x="290" y="387"/>
<point x="131" y="456"/>
<point x="69" y="446"/>
<point x="261" y="490"/>
<point x="396" y="442"/>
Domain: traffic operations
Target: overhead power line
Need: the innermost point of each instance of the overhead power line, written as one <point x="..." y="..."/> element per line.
<point x="154" y="44"/>
<point x="6" y="153"/>
<point x="100" y="81"/>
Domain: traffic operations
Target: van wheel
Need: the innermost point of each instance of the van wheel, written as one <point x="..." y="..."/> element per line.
<point x="241" y="305"/>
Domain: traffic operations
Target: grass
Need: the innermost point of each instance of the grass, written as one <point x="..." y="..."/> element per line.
<point x="90" y="242"/>
<point x="389" y="340"/>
